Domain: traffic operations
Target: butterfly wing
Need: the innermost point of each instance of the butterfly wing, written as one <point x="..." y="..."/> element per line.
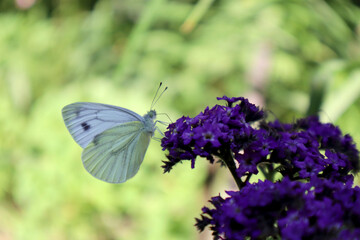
<point x="86" y="120"/>
<point x="116" y="154"/>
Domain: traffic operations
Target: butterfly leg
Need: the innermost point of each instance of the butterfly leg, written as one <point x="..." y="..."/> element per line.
<point x="166" y="116"/>
<point x="159" y="131"/>
<point x="162" y="122"/>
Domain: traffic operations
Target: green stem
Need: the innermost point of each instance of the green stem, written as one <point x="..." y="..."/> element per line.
<point x="229" y="161"/>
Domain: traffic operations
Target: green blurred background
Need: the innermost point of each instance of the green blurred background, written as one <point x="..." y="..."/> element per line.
<point x="294" y="57"/>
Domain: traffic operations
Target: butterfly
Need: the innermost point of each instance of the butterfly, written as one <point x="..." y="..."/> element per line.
<point x="114" y="139"/>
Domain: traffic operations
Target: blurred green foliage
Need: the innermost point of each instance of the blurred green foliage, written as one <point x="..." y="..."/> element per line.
<point x="295" y="57"/>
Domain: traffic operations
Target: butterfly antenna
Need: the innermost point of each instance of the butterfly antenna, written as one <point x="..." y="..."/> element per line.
<point x="155" y="100"/>
<point x="159" y="97"/>
<point x="152" y="103"/>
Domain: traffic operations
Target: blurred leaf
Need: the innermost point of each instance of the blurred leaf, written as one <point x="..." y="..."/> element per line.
<point x="340" y="99"/>
<point x="319" y="85"/>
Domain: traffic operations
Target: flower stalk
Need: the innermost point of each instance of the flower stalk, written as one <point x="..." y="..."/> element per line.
<point x="230" y="163"/>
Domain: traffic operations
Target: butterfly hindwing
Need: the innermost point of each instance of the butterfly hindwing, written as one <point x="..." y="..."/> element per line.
<point x="86" y="120"/>
<point x="116" y="154"/>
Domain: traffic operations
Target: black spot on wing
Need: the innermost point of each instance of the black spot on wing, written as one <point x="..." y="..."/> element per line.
<point x="85" y="126"/>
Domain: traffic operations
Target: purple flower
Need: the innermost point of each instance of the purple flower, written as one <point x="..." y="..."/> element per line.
<point x="300" y="148"/>
<point x="292" y="210"/>
<point x="208" y="134"/>
<point x="314" y="199"/>
<point x="330" y="137"/>
<point x="211" y="133"/>
<point x="232" y="134"/>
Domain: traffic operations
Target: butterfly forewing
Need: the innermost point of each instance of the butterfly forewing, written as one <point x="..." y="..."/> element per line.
<point x="86" y="120"/>
<point x="116" y="154"/>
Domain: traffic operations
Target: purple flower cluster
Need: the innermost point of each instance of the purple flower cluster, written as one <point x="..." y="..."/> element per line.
<point x="211" y="133"/>
<point x="309" y="148"/>
<point x="314" y="199"/>
<point x="300" y="150"/>
<point x="291" y="210"/>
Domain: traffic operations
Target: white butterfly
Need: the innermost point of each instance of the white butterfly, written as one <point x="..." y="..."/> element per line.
<point x="114" y="139"/>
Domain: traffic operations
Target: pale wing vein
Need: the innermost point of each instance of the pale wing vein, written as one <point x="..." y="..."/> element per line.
<point x="116" y="154"/>
<point x="86" y="120"/>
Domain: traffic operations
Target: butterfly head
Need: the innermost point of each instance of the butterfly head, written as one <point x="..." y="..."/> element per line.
<point x="151" y="115"/>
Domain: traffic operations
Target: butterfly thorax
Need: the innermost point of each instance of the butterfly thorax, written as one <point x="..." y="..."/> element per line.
<point x="149" y="119"/>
